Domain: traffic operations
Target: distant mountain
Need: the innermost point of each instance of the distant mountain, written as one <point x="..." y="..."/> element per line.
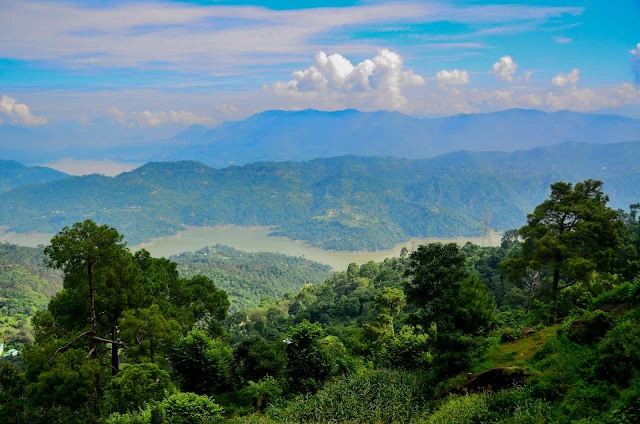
<point x="344" y="203"/>
<point x="14" y="174"/>
<point x="308" y="134"/>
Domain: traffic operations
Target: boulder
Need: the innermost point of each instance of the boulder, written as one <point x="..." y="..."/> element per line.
<point x="495" y="379"/>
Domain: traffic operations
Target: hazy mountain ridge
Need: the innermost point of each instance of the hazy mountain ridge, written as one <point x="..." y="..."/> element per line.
<point x="346" y="202"/>
<point x="14" y="174"/>
<point x="308" y="134"/>
<point x="278" y="135"/>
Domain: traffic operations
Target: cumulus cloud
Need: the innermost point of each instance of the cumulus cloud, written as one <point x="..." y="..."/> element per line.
<point x="570" y="79"/>
<point x="380" y="79"/>
<point x="453" y="77"/>
<point x="504" y="69"/>
<point x="19" y="113"/>
<point x="635" y="62"/>
<point x="147" y="118"/>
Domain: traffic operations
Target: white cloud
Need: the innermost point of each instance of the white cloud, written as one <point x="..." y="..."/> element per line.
<point x="380" y="79"/>
<point x="453" y="77"/>
<point x="19" y="113"/>
<point x="147" y="118"/>
<point x="474" y="100"/>
<point x="218" y="38"/>
<point x="562" y="40"/>
<point x="570" y="79"/>
<point x="226" y="109"/>
<point x="504" y="69"/>
<point x="118" y="115"/>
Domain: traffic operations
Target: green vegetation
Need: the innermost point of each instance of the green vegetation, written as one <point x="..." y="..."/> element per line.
<point x="438" y="335"/>
<point x="14" y="174"/>
<point x="249" y="277"/>
<point x="345" y="203"/>
<point x="26" y="285"/>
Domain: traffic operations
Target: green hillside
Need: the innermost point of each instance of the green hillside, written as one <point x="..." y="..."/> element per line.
<point x="14" y="174"/>
<point x="544" y="328"/>
<point x="250" y="277"/>
<point x="26" y="285"/>
<point x="344" y="203"/>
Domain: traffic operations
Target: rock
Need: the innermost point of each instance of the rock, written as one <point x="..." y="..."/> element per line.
<point x="590" y="329"/>
<point x="617" y="308"/>
<point x="495" y="379"/>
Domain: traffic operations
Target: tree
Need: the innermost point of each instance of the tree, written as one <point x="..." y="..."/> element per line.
<point x="308" y="364"/>
<point x="203" y="363"/>
<point x="571" y="234"/>
<point x="97" y="268"/>
<point x="137" y="385"/>
<point x="149" y="334"/>
<point x="454" y="305"/>
<point x="435" y="273"/>
<point x="255" y="358"/>
<point x="388" y="303"/>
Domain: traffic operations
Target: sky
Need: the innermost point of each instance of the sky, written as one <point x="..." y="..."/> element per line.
<point x="156" y="67"/>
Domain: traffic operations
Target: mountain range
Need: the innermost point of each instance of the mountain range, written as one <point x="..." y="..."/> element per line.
<point x="309" y="134"/>
<point x="345" y="203"/>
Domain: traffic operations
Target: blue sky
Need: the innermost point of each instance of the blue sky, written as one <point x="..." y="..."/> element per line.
<point x="150" y="64"/>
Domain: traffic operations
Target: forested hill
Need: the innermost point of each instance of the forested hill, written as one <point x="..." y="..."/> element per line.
<point x="348" y="202"/>
<point x="14" y="174"/>
<point x="250" y="277"/>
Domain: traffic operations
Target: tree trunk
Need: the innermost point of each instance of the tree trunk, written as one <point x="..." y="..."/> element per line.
<point x="92" y="305"/>
<point x="114" y="351"/>
<point x="556" y="282"/>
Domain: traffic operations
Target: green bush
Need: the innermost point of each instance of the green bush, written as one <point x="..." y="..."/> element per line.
<point x="589" y="329"/>
<point x="618" y="356"/>
<point x="371" y="396"/>
<point x="137" y="385"/>
<point x="179" y="408"/>
<point x="186" y="408"/>
<point x="515" y="406"/>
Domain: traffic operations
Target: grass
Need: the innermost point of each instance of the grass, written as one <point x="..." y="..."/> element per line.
<point x="517" y="353"/>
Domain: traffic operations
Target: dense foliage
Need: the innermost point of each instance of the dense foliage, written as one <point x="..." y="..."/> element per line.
<point x="345" y="203"/>
<point x="249" y="277"/>
<point x="26" y="285"/>
<point x="441" y="334"/>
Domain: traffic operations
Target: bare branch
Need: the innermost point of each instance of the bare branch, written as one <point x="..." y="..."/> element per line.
<point x="90" y="354"/>
<point x="115" y="342"/>
<point x="65" y="347"/>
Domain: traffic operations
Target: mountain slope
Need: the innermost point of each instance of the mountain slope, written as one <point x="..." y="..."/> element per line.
<point x="345" y="203"/>
<point x="308" y="134"/>
<point x="14" y="174"/>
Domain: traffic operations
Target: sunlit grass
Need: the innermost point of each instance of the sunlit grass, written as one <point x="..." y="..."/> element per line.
<point x="517" y="353"/>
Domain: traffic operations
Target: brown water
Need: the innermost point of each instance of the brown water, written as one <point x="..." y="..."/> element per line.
<point x="256" y="239"/>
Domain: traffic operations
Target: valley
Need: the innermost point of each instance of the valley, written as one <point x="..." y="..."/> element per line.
<point x="257" y="239"/>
